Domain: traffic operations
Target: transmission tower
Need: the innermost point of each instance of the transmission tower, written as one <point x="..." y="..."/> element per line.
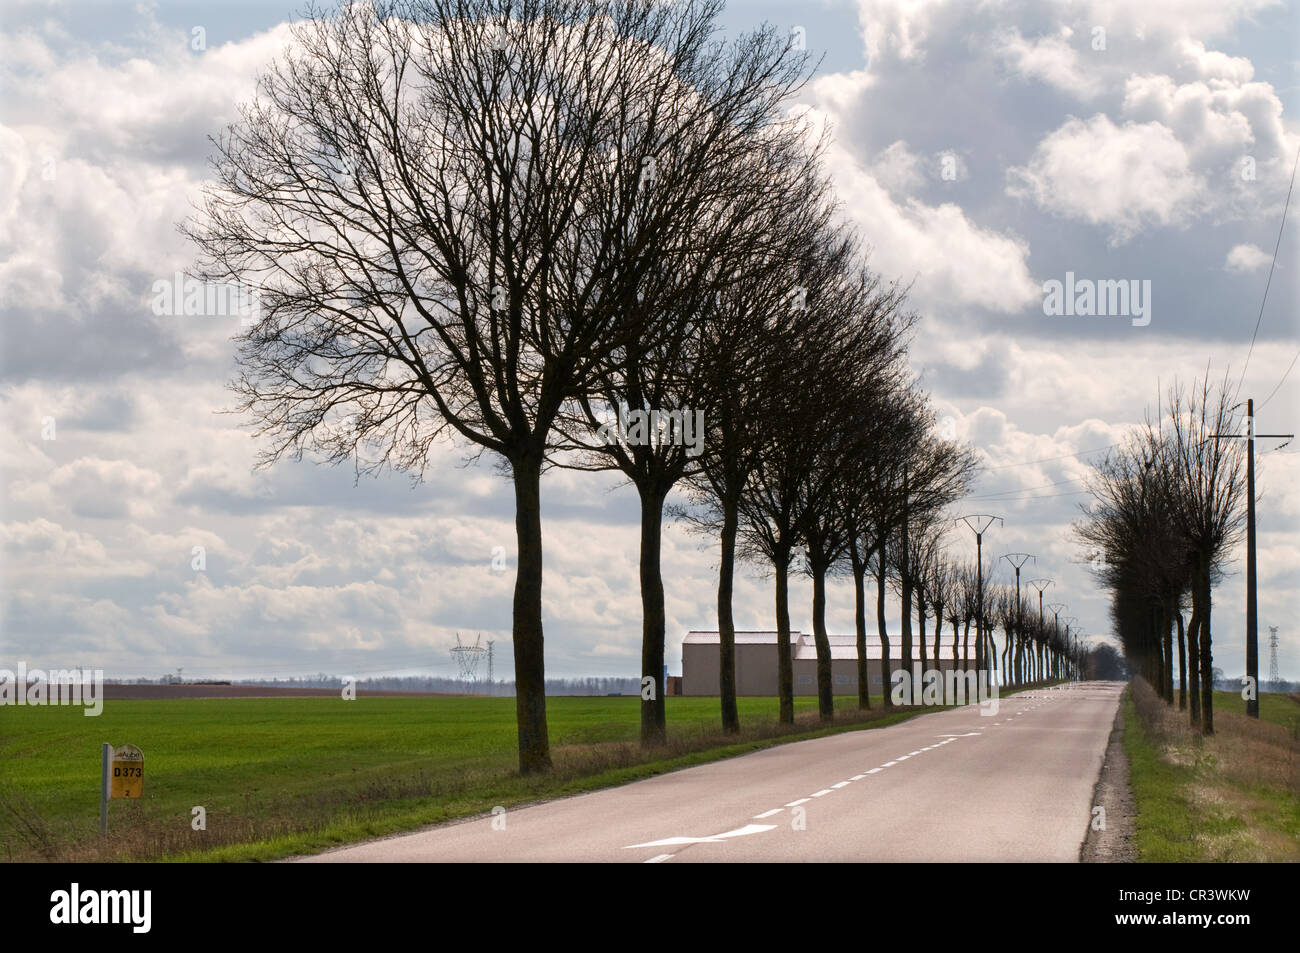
<point x="491" y="642"/>
<point x="1273" y="676"/>
<point x="467" y="658"/>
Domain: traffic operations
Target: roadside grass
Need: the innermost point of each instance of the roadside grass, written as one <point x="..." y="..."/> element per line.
<point x="286" y="776"/>
<point x="1231" y="797"/>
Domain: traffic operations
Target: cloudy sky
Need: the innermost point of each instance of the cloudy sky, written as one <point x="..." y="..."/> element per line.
<point x="984" y="149"/>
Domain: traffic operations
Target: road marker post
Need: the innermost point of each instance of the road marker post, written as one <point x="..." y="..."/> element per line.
<point x="126" y="781"/>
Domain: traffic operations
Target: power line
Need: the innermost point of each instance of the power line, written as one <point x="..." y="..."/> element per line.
<point x="1025" y="489"/>
<point x="1280" y="383"/>
<point x="1064" y="456"/>
<point x="1272" y="265"/>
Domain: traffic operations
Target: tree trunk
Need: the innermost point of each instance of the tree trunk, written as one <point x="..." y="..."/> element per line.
<point x="784" y="664"/>
<point x="1207" y="656"/>
<point x="920" y="625"/>
<point x="860" y="624"/>
<point x="1182" y="665"/>
<point x="938" y="631"/>
<point x="726" y="623"/>
<point x="530" y="668"/>
<point x="1194" y="665"/>
<point x="1167" y="631"/>
<point x="880" y="621"/>
<point x="825" y="683"/>
<point x="654" y="723"/>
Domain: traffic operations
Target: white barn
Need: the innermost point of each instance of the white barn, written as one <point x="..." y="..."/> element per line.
<point x="756" y="659"/>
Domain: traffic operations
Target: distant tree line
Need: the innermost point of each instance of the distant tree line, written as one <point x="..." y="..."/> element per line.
<point x="453" y="686"/>
<point x="1168" y="506"/>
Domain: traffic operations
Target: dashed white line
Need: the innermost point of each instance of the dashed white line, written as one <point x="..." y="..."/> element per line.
<point x="842" y="784"/>
<point x="775" y="810"/>
<point x="802" y="800"/>
<point x="821" y="792"/>
<point x="874" y="771"/>
<point x="658" y="859"/>
<point x="889" y="764"/>
<point x="857" y="777"/>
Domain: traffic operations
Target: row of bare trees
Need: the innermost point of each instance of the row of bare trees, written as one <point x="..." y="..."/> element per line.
<point x="500" y="222"/>
<point x="1167" y="507"/>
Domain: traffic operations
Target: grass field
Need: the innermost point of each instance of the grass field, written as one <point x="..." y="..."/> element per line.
<point x="290" y="775"/>
<point x="1234" y="796"/>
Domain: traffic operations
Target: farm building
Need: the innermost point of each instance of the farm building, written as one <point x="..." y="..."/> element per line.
<point x="756" y="661"/>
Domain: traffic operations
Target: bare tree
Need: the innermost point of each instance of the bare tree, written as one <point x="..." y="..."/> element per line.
<point x="438" y="206"/>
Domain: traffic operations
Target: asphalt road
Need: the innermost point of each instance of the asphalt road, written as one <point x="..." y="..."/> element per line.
<point x="947" y="786"/>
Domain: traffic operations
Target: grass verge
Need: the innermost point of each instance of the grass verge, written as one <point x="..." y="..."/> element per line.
<point x="1232" y="796"/>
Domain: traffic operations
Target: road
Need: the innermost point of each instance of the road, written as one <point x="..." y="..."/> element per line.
<point x="951" y="785"/>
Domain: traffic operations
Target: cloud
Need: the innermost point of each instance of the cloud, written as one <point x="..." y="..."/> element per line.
<point x="1245" y="258"/>
<point x="1121" y="177"/>
<point x="1051" y="59"/>
<point x="953" y="260"/>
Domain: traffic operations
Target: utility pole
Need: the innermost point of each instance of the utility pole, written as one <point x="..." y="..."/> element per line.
<point x="1040" y="585"/>
<point x="1057" y="608"/>
<point x="1273" y="675"/>
<point x="1252" y="612"/>
<point x="979" y="523"/>
<point x="1069" y="644"/>
<point x="1017" y="560"/>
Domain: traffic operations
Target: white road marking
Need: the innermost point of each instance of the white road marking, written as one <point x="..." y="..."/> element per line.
<point x="857" y="777"/>
<point x="874" y="771"/>
<point x="658" y="859"/>
<point x="802" y="800"/>
<point x="842" y="784"/>
<point x="889" y="764"/>
<point x="821" y="792"/>
<point x="738" y="832"/>
<point x="913" y="754"/>
<point x="775" y="810"/>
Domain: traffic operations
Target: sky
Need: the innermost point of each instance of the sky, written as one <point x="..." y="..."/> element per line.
<point x="984" y="149"/>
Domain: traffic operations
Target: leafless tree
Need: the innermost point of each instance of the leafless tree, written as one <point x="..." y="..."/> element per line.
<point x="443" y="208"/>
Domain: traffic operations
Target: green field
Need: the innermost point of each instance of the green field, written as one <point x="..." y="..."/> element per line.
<point x="289" y="775"/>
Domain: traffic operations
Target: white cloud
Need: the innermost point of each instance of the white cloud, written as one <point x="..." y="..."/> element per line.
<point x="1122" y="177"/>
<point x="1051" y="59"/>
<point x="954" y="260"/>
<point x="1246" y="258"/>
